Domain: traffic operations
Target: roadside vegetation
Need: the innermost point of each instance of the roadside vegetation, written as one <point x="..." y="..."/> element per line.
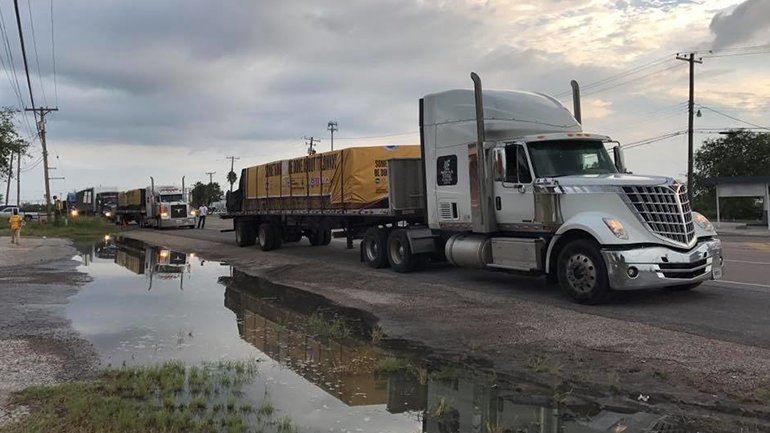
<point x="79" y="229"/>
<point x="168" y="398"/>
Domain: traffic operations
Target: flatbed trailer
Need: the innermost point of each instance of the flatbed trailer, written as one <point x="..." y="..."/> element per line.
<point x="271" y="226"/>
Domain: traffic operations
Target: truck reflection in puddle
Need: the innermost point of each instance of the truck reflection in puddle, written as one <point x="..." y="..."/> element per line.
<point x="154" y="263"/>
<point x="279" y="321"/>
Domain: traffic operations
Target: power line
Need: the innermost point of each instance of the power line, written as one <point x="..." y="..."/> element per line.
<point x="623" y="74"/>
<point x="733" y="117"/>
<point x="34" y="46"/>
<point x="15" y="83"/>
<point x="377" y="136"/>
<point x="630" y="80"/>
<point x="24" y="56"/>
<point x="53" y="60"/>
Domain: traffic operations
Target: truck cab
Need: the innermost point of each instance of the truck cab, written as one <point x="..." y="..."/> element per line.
<point x="513" y="183"/>
<point x="166" y="207"/>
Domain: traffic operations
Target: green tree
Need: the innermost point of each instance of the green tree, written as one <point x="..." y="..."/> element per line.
<point x="737" y="153"/>
<point x="10" y="141"/>
<point x="205" y="193"/>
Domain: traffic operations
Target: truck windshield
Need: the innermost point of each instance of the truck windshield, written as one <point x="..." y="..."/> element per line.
<point x="168" y="198"/>
<point x="570" y="157"/>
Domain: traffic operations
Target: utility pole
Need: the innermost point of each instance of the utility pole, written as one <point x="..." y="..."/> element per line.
<point x="332" y="126"/>
<point x="42" y="111"/>
<point x="211" y="174"/>
<point x="232" y="167"/>
<point x="311" y="141"/>
<point x="690" y="120"/>
<point x="18" y="180"/>
<point x="8" y="186"/>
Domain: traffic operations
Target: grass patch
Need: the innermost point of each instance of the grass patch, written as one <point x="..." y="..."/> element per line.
<point x="328" y="328"/>
<point x="391" y="365"/>
<point x="144" y="399"/>
<point x="80" y="229"/>
<point x="542" y="364"/>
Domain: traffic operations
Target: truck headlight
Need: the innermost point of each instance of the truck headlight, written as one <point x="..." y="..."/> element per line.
<point x="702" y="221"/>
<point x="193" y="212"/>
<point x="616" y="228"/>
<point x="108" y="214"/>
<point x="74" y="212"/>
<point x="163" y="214"/>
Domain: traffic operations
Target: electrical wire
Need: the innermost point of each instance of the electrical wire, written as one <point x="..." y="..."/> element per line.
<point x="34" y="46"/>
<point x="621" y="75"/>
<point x="376" y="136"/>
<point x="651" y="140"/>
<point x="53" y="60"/>
<point x="733" y="117"/>
<point x="15" y="84"/>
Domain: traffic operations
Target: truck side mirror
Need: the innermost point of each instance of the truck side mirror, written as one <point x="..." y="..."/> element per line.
<point x="500" y="171"/>
<point x="617" y="153"/>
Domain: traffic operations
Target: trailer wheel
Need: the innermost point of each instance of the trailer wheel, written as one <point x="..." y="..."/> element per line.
<point x="319" y="237"/>
<point x="399" y="252"/>
<point x="582" y="272"/>
<point x="374" y="247"/>
<point x="266" y="237"/>
<point x="245" y="235"/>
<point x="327" y="236"/>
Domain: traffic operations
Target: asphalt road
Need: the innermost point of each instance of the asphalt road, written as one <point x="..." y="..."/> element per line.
<point x="733" y="309"/>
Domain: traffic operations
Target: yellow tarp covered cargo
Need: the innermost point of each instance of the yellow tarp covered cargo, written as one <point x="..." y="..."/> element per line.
<point x="134" y="197"/>
<point x="355" y="177"/>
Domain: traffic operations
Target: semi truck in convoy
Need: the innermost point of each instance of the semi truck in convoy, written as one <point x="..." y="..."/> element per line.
<point x="154" y="206"/>
<point x="96" y="201"/>
<point x="502" y="180"/>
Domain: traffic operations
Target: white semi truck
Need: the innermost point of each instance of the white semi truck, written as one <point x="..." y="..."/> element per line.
<point x="155" y="206"/>
<point x="507" y="181"/>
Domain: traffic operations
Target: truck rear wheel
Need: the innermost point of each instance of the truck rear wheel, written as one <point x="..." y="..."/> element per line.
<point x="582" y="272"/>
<point x="267" y="237"/>
<point x="319" y="237"/>
<point x="245" y="235"/>
<point x="399" y="252"/>
<point x="374" y="246"/>
<point x="327" y="237"/>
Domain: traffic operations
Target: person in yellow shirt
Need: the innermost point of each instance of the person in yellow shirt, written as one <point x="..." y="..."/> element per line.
<point x="15" y="223"/>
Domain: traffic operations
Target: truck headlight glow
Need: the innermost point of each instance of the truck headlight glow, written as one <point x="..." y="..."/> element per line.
<point x="108" y="214"/>
<point x="702" y="221"/>
<point x="193" y="212"/>
<point x="616" y="228"/>
<point x="163" y="214"/>
<point x="74" y="212"/>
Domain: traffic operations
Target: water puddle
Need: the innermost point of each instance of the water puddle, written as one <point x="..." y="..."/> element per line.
<point x="323" y="368"/>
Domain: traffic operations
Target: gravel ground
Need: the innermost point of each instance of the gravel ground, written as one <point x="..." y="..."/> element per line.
<point x="37" y="344"/>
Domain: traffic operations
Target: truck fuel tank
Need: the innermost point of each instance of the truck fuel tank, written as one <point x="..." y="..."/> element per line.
<point x="468" y="250"/>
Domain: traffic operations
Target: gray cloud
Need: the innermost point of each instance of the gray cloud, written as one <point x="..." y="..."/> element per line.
<point x="740" y="24"/>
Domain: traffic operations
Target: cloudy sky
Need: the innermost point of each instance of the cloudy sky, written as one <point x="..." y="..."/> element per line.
<point x="170" y="88"/>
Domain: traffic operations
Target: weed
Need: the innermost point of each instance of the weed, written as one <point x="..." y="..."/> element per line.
<point x="198" y="403"/>
<point x="391" y="365"/>
<point x="441" y="409"/>
<point x="542" y="364"/>
<point x="328" y="329"/>
<point x="446" y="374"/>
<point x="377" y="335"/>
<point x="230" y="404"/>
<point x="762" y="394"/>
<point x="266" y="408"/>
<point x="285" y="425"/>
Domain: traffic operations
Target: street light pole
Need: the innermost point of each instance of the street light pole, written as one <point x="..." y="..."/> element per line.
<point x="331" y="127"/>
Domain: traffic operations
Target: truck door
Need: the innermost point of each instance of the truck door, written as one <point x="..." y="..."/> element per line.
<point x="513" y="191"/>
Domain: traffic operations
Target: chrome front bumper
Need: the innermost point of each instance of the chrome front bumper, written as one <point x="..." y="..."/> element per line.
<point x="177" y="222"/>
<point x="660" y="266"/>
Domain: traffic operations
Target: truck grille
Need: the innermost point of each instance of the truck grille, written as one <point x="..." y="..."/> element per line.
<point x="178" y="211"/>
<point x="665" y="209"/>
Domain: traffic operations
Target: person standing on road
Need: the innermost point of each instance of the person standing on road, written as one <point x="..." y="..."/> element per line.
<point x="15" y="223"/>
<point x="202" y="212"/>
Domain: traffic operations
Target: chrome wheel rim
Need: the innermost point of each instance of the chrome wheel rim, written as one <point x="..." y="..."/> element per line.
<point x="372" y="250"/>
<point x="397" y="252"/>
<point x="262" y="236"/>
<point x="581" y="273"/>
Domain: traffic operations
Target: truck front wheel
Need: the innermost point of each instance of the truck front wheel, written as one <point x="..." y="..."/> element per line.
<point x="400" y="256"/>
<point x="373" y="247"/>
<point x="582" y="272"/>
